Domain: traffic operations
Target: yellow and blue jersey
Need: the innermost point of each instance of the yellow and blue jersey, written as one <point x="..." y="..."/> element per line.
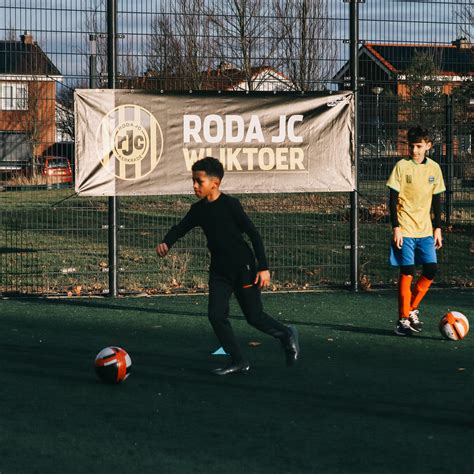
<point x="416" y="183"/>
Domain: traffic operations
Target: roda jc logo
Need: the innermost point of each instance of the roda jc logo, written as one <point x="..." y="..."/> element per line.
<point x="129" y="142"/>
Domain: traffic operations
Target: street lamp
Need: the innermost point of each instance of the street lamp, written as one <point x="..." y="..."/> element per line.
<point x="377" y="91"/>
<point x="93" y="62"/>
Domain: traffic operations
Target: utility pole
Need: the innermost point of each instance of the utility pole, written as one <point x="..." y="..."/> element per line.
<point x="113" y="201"/>
<point x="354" y="201"/>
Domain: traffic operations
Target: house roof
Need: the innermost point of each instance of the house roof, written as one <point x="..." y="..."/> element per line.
<point x="227" y="79"/>
<point x="234" y="78"/>
<point x="20" y="58"/>
<point x="451" y="59"/>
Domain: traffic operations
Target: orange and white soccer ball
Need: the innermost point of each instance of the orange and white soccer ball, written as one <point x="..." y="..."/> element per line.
<point x="454" y="325"/>
<point x="112" y="365"/>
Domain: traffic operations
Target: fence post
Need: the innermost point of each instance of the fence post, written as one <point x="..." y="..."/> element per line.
<point x="449" y="158"/>
<point x="354" y="201"/>
<point x="112" y="201"/>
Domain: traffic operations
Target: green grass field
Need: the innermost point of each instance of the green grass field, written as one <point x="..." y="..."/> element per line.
<point x="305" y="236"/>
<point x="360" y="400"/>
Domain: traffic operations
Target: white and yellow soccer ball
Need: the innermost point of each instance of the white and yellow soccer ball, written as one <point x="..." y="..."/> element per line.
<point x="454" y="326"/>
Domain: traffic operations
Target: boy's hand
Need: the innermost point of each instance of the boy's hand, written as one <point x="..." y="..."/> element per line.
<point x="262" y="279"/>
<point x="162" y="249"/>
<point x="438" y="238"/>
<point x="397" y="237"/>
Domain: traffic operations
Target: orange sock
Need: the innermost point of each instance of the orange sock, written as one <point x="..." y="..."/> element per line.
<point x="421" y="288"/>
<point x="404" y="295"/>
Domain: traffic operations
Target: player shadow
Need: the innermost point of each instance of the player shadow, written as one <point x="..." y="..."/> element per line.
<point x="354" y="329"/>
<point x="238" y="317"/>
<point x="364" y="330"/>
<point x="107" y="305"/>
<point x="45" y="362"/>
<point x="4" y="250"/>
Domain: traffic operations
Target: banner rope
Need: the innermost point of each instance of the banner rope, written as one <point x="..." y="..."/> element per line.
<point x="65" y="199"/>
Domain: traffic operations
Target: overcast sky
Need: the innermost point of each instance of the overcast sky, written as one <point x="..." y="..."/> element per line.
<point x="60" y="29"/>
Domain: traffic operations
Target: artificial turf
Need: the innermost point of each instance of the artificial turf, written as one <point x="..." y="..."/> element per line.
<point x="360" y="400"/>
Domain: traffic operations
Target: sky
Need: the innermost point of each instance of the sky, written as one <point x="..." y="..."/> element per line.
<point x="60" y="30"/>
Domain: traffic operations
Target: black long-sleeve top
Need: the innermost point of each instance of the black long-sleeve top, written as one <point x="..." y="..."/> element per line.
<point x="224" y="222"/>
<point x="436" y="204"/>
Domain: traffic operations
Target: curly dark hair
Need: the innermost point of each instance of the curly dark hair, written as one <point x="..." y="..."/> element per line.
<point x="417" y="134"/>
<point x="211" y="166"/>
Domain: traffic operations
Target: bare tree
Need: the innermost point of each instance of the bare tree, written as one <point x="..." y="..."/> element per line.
<point x="129" y="68"/>
<point x="465" y="14"/>
<point x="65" y="115"/>
<point x="95" y="26"/>
<point x="180" y="46"/>
<point x="243" y="36"/>
<point x="165" y="48"/>
<point x="306" y="47"/>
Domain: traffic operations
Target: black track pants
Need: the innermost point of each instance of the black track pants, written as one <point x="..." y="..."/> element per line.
<point x="249" y="298"/>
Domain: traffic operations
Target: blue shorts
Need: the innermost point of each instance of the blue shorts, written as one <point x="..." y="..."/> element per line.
<point x="414" y="251"/>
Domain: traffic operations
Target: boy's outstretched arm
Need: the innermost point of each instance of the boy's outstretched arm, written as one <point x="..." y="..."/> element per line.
<point x="176" y="232"/>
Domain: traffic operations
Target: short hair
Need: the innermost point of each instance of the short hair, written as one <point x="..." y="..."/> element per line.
<point x="210" y="166"/>
<point x="417" y="134"/>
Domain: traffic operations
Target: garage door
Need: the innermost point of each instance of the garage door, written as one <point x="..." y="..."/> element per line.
<point x="15" y="149"/>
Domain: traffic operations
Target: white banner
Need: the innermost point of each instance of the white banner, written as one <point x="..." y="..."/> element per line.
<point x="137" y="143"/>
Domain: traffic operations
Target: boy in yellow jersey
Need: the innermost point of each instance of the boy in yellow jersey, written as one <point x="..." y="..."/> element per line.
<point x="415" y="186"/>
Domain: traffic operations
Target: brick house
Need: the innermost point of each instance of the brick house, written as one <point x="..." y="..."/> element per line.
<point x="227" y="77"/>
<point x="386" y="89"/>
<point x="27" y="102"/>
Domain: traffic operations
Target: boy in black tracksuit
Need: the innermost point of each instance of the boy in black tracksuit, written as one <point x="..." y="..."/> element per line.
<point x="233" y="268"/>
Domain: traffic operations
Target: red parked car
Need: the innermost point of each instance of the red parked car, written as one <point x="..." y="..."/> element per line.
<point x="56" y="169"/>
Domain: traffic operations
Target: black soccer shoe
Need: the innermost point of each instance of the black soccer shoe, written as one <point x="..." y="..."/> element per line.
<point x="415" y="322"/>
<point x="232" y="368"/>
<point x="403" y="328"/>
<point x="292" y="346"/>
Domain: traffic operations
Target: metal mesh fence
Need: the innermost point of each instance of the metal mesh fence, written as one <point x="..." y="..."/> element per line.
<point x="416" y="63"/>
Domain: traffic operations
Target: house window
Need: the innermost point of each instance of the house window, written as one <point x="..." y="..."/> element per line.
<point x="13" y="96"/>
